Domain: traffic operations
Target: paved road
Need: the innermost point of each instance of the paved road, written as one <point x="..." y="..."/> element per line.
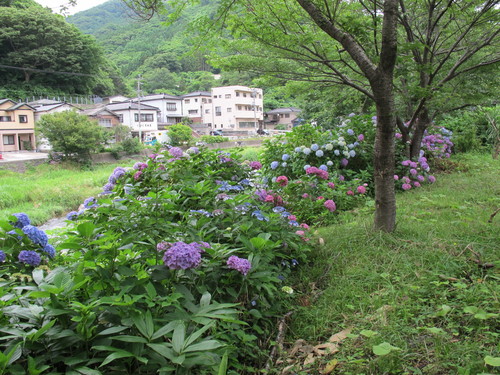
<point x="22" y="156"/>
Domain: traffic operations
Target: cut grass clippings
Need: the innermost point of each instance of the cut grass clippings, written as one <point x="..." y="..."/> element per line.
<point x="421" y="300"/>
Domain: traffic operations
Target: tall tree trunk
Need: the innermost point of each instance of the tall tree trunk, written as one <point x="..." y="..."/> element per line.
<point x="422" y="124"/>
<point x="383" y="156"/>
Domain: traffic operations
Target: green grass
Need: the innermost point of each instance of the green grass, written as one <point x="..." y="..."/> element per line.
<point x="49" y="191"/>
<point x="411" y="286"/>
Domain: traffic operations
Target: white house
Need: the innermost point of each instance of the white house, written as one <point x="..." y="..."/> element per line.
<point x="129" y="115"/>
<point x="197" y="106"/>
<point x="53" y="108"/>
<point x="282" y="116"/>
<point x="237" y="108"/>
<point x="170" y="107"/>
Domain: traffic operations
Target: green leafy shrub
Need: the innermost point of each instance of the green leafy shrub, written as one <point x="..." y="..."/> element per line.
<point x="180" y="134"/>
<point x="177" y="265"/>
<point x="211" y="139"/>
<point x="131" y="146"/>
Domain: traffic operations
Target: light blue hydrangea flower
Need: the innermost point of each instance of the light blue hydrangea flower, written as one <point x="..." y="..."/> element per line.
<point x="306" y="166"/>
<point x="319" y="153"/>
<point x="274" y="164"/>
<point x="298" y="149"/>
<point x="323" y="167"/>
<point x="314" y="147"/>
<point x="329" y="163"/>
<point x="350" y="131"/>
<point x="284" y="164"/>
<point x="307" y="151"/>
<point x="336" y="152"/>
<point x="285" y="157"/>
<point x="350" y="146"/>
<point x="352" y="153"/>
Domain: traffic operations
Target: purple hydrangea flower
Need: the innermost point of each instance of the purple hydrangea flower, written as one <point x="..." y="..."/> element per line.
<point x="30" y="257"/>
<point x="49" y="250"/>
<point x="108" y="188"/>
<point x="176" y="152"/>
<point x="117" y="173"/>
<point x="2" y="256"/>
<point x="182" y="256"/>
<point x="22" y="220"/>
<point x="239" y="264"/>
<point x="193" y="150"/>
<point x="350" y="131"/>
<point x="255" y="165"/>
<point x="431" y="179"/>
<point x="406" y="186"/>
<point x="140" y="166"/>
<point x="344" y="162"/>
<point x="36" y="235"/>
<point x="413" y="172"/>
<point x="421" y="178"/>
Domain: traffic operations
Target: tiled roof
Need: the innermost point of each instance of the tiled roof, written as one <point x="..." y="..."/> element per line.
<point x="284" y="110"/>
<point x="130" y="105"/>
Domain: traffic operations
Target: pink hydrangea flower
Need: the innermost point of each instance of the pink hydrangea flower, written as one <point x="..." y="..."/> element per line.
<point x="331" y="185"/>
<point x="305" y="195"/>
<point x="416" y="183"/>
<point x="330" y="205"/>
<point x="255" y="165"/>
<point x="320" y="198"/>
<point x="396" y="177"/>
<point x="269" y="198"/>
<point x="300" y="233"/>
<point x="305" y="226"/>
<point x="361" y="137"/>
<point x="137" y="175"/>
<point x="282" y="180"/>
<point x="292" y="217"/>
<point x="361" y="189"/>
<point x="406" y="186"/>
<point x="350" y="192"/>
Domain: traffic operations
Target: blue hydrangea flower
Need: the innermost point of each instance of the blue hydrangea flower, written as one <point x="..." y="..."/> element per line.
<point x="350" y="131"/>
<point x="29" y="257"/>
<point x="22" y="220"/>
<point x="336" y="152"/>
<point x="278" y="209"/>
<point x="350" y="146"/>
<point x="307" y="151"/>
<point x="259" y="216"/>
<point x="356" y="144"/>
<point x="285" y="157"/>
<point x="90" y="203"/>
<point x="245" y="182"/>
<point x="323" y="167"/>
<point x="2" y="256"/>
<point x="203" y="212"/>
<point x="298" y="149"/>
<point x="314" y="147"/>
<point x="352" y="153"/>
<point x="306" y="166"/>
<point x="319" y="153"/>
<point x="293" y="223"/>
<point x="274" y="164"/>
<point x="73" y="215"/>
<point x="49" y="250"/>
<point x="36" y="235"/>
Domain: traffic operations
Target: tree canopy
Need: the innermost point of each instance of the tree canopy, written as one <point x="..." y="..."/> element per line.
<point x="41" y="48"/>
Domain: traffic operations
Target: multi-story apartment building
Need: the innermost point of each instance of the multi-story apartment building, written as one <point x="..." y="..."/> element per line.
<point x="197" y="106"/>
<point x="237" y="108"/>
<point x="17" y="126"/>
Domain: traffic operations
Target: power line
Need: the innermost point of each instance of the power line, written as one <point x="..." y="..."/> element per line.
<point x="52" y="71"/>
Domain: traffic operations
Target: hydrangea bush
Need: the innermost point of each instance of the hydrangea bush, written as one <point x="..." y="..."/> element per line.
<point x="174" y="264"/>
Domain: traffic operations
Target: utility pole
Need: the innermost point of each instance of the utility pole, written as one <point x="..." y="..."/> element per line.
<point x="139" y="105"/>
<point x="254" y="95"/>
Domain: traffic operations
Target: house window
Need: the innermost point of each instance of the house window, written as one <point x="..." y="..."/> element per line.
<point x="106" y="122"/>
<point x="229" y="109"/>
<point x="237" y="93"/>
<point x="196" y="100"/>
<point x="228" y="96"/>
<point x="207" y="111"/>
<point x="5" y="119"/>
<point x="210" y="100"/>
<point x="193" y="111"/>
<point x="218" y="111"/>
<point x="187" y="101"/>
<point x="144" y="117"/>
<point x="239" y="108"/>
<point x="8" y="140"/>
<point x="23" y="119"/>
<point x="287" y="115"/>
<point x="203" y="100"/>
<point x="120" y="118"/>
<point x="244" y="94"/>
<point x="171" y="107"/>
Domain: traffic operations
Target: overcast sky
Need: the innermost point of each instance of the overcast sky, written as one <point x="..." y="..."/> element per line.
<point x="81" y="5"/>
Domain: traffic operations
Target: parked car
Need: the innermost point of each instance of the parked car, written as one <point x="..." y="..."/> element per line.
<point x="261" y="131"/>
<point x="216" y="132"/>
